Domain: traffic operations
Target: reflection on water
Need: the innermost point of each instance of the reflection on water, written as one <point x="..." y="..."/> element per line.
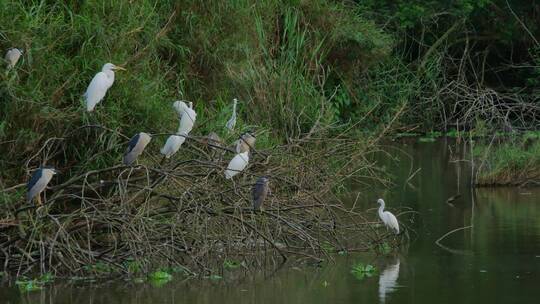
<point x="388" y="280"/>
<point x="501" y="263"/>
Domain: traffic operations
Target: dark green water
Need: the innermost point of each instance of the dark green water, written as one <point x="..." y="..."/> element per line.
<point x="495" y="261"/>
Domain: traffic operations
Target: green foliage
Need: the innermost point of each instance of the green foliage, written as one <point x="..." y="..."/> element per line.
<point x="282" y="59"/>
<point x="28" y="285"/>
<point x="361" y="271"/>
<point x="510" y="163"/>
<point x="159" y="278"/>
<point x="229" y="264"/>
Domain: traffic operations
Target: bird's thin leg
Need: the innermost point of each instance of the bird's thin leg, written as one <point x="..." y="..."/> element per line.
<point x="38" y="201"/>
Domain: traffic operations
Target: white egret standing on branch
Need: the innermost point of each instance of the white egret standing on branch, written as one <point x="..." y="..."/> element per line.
<point x="232" y="122"/>
<point x="136" y="147"/>
<point x="187" y="120"/>
<point x="237" y="164"/>
<point x="99" y="85"/>
<point x="38" y="182"/>
<point x="12" y="57"/>
<point x="389" y="220"/>
<point x="180" y="107"/>
<point x="173" y="144"/>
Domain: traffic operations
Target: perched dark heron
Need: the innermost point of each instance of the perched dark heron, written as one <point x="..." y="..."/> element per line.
<point x="99" y="85"/>
<point x="260" y="191"/>
<point x="38" y="182"/>
<point x="136" y="147"/>
<point x="213" y="140"/>
<point x="245" y="142"/>
<point x="12" y="57"/>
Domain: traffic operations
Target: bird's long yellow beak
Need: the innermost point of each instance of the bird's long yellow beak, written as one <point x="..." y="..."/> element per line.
<point x="119" y="68"/>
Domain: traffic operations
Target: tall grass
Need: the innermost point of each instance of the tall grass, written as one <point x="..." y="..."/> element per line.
<point x="282" y="59"/>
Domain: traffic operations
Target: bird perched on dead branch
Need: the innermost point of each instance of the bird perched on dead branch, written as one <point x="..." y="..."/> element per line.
<point x="245" y="143"/>
<point x="389" y="220"/>
<point x="173" y="144"/>
<point x="38" y="182"/>
<point x="136" y="147"/>
<point x="237" y="164"/>
<point x="187" y="120"/>
<point x="260" y="191"/>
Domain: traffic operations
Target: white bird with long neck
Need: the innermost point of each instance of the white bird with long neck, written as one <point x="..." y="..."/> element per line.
<point x="99" y="86"/>
<point x="232" y="122"/>
<point x="237" y="164"/>
<point x="389" y="220"/>
<point x="187" y="120"/>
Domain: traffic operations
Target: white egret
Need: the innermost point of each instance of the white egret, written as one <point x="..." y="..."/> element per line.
<point x="136" y="147"/>
<point x="232" y="122"/>
<point x="245" y="142"/>
<point x="387" y="217"/>
<point x="237" y="164"/>
<point x="180" y="107"/>
<point x="173" y="144"/>
<point x="187" y="120"/>
<point x="12" y="57"/>
<point x="99" y="85"/>
<point x="260" y="191"/>
<point x="388" y="280"/>
<point x="38" y="182"/>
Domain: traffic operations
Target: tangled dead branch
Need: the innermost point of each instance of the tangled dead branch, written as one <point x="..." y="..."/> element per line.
<point x="183" y="212"/>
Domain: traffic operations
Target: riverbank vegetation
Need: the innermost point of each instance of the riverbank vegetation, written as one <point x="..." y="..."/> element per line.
<point x="319" y="81"/>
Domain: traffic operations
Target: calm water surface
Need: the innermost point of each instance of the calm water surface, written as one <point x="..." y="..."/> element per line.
<point x="495" y="261"/>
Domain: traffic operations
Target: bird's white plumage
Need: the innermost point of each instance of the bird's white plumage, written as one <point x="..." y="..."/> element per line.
<point x="187" y="120"/>
<point x="232" y="121"/>
<point x="99" y="86"/>
<point x="388" y="280"/>
<point x="173" y="144"/>
<point x="12" y="57"/>
<point x="387" y="217"/>
<point x="237" y="164"/>
<point x="180" y="107"/>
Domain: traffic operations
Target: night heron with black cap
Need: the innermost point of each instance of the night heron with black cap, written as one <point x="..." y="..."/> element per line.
<point x="99" y="86"/>
<point x="136" y="147"/>
<point x="245" y="142"/>
<point x="12" y="57"/>
<point x="260" y="191"/>
<point x="38" y="182"/>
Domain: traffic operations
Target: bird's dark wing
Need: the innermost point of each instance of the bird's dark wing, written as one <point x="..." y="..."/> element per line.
<point x="34" y="179"/>
<point x="132" y="143"/>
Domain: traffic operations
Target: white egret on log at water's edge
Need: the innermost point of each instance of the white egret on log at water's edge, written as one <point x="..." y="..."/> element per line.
<point x="389" y="220"/>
